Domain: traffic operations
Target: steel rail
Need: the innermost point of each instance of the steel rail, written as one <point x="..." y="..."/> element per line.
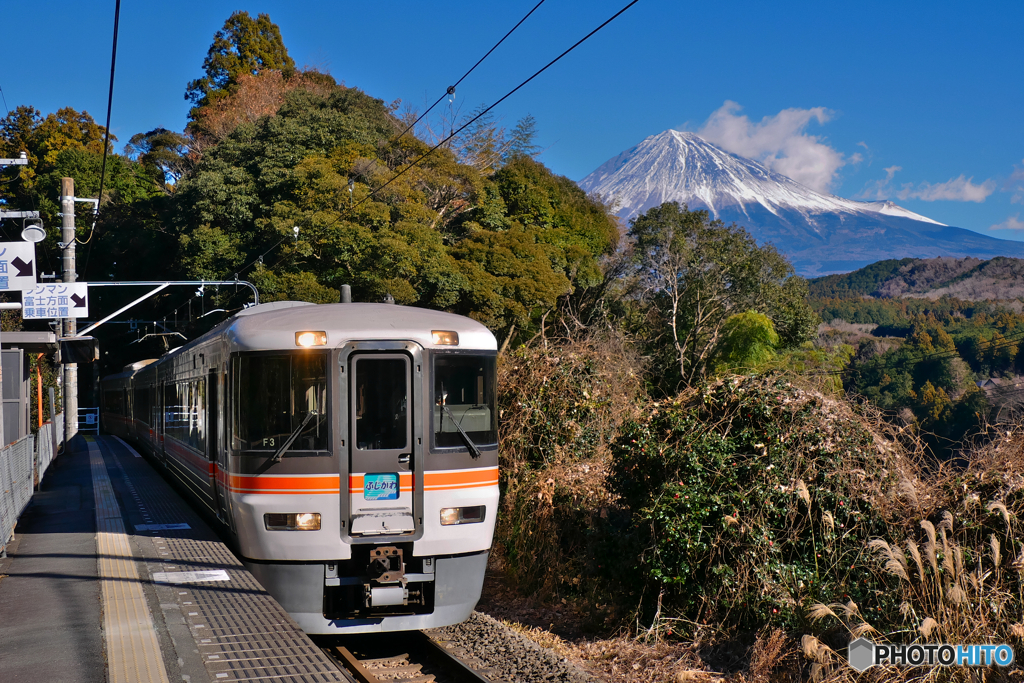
<point x="408" y="666"/>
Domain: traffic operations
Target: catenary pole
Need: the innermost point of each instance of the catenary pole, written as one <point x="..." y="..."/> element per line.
<point x="67" y="238"/>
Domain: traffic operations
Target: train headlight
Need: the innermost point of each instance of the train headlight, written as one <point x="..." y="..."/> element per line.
<point x="307" y="339"/>
<point x="445" y="337"/>
<point x="466" y="515"/>
<point x="292" y="521"/>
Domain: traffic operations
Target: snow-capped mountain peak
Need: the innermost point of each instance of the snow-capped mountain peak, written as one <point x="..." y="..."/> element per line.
<point x="819" y="233"/>
<point x="684" y="167"/>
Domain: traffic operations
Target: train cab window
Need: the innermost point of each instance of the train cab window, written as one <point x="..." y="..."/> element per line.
<point x="381" y="403"/>
<point x="273" y="397"/>
<point x="464" y="394"/>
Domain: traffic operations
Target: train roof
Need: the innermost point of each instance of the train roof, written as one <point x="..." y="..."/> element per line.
<point x="273" y="326"/>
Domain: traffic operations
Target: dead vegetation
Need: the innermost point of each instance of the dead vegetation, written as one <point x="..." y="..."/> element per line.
<point x="946" y="561"/>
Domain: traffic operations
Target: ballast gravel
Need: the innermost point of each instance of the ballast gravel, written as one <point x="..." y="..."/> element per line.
<point x="504" y="656"/>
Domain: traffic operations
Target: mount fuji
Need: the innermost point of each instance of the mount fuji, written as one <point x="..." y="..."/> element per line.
<point x="820" y="233"/>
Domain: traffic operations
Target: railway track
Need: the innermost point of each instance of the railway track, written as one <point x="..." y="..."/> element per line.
<point x="409" y="657"/>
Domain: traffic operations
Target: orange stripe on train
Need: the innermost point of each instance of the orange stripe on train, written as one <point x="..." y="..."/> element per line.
<point x="440" y="481"/>
<point x="330" y="483"/>
<point x="321" y="483"/>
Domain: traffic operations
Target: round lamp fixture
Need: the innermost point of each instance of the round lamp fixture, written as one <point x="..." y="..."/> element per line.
<point x="33" y="232"/>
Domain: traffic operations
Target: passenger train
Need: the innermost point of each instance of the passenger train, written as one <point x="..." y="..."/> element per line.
<point x="350" y="451"/>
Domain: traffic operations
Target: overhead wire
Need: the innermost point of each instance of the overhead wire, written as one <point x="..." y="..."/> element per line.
<point x="470" y="122"/>
<point x="106" y="139"/>
<point x="451" y="88"/>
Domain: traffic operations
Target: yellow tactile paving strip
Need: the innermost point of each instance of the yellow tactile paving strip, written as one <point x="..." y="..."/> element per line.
<point x="133" y="654"/>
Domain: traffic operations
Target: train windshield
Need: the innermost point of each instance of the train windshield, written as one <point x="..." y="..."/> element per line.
<point x="275" y="394"/>
<point x="464" y="396"/>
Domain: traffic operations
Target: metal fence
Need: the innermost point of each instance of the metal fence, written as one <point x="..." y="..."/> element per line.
<point x="47" y="438"/>
<point x="89" y="420"/>
<point x="22" y="466"/>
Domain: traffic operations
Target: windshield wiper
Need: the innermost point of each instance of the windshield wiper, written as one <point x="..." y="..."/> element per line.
<point x="462" y="432"/>
<point x="294" y="435"/>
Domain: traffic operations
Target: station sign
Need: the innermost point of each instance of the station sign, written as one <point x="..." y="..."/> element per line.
<point x="58" y="300"/>
<point x="17" y="266"/>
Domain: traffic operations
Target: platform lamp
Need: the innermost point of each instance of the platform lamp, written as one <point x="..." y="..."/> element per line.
<point x="32" y="231"/>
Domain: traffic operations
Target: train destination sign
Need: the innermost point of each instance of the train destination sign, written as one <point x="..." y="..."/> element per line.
<point x="380" y="486"/>
<point x="17" y="266"/>
<point x="59" y="300"/>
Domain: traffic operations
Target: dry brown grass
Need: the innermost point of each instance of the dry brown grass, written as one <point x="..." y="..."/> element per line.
<point x="560" y="407"/>
<point x="952" y="550"/>
<point x="957" y="559"/>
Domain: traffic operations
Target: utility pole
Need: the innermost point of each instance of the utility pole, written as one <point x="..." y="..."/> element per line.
<point x="67" y="238"/>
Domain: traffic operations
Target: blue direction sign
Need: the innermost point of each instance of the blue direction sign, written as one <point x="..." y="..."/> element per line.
<point x="59" y="300"/>
<point x="17" y="266"/>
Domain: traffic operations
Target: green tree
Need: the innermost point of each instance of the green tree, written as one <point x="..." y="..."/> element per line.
<point x="694" y="273"/>
<point x="522" y="141"/>
<point x="440" y="235"/>
<point x="68" y="143"/>
<point x="162" y="153"/>
<point x="243" y="46"/>
<point x="44" y="139"/>
<point x="748" y="341"/>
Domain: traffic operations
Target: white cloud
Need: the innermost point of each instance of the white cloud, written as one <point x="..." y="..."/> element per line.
<point x="1015" y="184"/>
<point x="1011" y="223"/>
<point x="779" y="142"/>
<point x="957" y="190"/>
<point x="879" y="189"/>
<point x="960" y="189"/>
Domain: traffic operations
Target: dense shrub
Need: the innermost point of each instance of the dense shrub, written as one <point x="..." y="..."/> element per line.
<point x="754" y="499"/>
<point x="560" y="407"/>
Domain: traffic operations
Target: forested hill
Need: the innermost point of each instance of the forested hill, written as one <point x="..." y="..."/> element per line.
<point x="288" y="179"/>
<point x="968" y="279"/>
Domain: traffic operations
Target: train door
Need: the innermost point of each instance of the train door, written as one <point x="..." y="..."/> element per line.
<point x="383" y="473"/>
<point x="215" y="444"/>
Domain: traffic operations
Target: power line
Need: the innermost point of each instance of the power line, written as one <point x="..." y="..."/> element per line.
<point x="106" y="140"/>
<point x="2" y="96"/>
<point x="451" y="88"/>
<point x="472" y="120"/>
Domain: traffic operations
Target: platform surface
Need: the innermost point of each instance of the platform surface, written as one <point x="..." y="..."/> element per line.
<point x="112" y="577"/>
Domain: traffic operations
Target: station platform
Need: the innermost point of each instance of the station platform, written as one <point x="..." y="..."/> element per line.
<point x="113" y="577"/>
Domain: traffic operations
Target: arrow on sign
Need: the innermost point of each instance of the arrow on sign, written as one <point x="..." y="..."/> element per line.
<point x="79" y="300"/>
<point x="24" y="269"/>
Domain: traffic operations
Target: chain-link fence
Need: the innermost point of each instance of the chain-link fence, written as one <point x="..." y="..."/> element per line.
<point x="22" y="466"/>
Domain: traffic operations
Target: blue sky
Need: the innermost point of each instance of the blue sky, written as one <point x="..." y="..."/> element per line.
<point x="919" y="102"/>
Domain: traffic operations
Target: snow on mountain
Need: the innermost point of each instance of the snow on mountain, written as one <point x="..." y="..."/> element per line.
<point x="821" y="233"/>
<point x="683" y="167"/>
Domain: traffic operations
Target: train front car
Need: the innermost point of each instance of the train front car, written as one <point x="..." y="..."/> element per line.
<point x="362" y="460"/>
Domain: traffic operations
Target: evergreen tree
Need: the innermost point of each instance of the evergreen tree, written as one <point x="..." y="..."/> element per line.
<point x="243" y="46"/>
<point x="162" y="153"/>
<point x="521" y="142"/>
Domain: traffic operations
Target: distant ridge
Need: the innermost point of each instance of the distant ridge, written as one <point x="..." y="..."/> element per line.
<point x="820" y="233"/>
<point x="969" y="279"/>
